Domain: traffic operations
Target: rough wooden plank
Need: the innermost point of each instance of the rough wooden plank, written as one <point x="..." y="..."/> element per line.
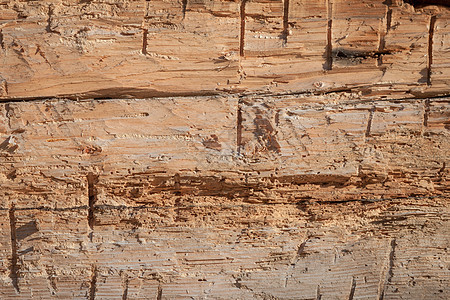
<point x="150" y="48"/>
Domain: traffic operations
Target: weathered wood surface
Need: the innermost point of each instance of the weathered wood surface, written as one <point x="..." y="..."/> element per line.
<point x="225" y="198"/>
<point x="152" y="48"/>
<point x="271" y="149"/>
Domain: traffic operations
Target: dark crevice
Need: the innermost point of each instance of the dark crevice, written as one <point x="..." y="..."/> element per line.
<point x="92" y="194"/>
<point x="285" y="32"/>
<point x="239" y="130"/>
<point x="423" y="3"/>
<point x="352" y="54"/>
<point x="388" y="20"/>
<point x="184" y="7"/>
<point x="93" y="283"/>
<point x="242" y="34"/>
<point x="369" y="122"/>
<point x="318" y="294"/>
<point x="160" y="291"/>
<point x="125" y="284"/>
<point x="382" y="44"/>
<point x="430" y="48"/>
<point x="50" y="13"/>
<point x="328" y="65"/>
<point x="426" y="112"/>
<point x="144" y="41"/>
<point x="390" y="273"/>
<point x="14" y="270"/>
<point x="2" y="40"/>
<point x="352" y="289"/>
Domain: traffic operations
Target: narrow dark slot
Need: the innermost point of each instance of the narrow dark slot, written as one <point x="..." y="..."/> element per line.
<point x="329" y="47"/>
<point x="14" y="273"/>
<point x="285" y="33"/>
<point x="160" y="291"/>
<point x="144" y="41"/>
<point x="382" y="44"/>
<point x="430" y="48"/>
<point x="369" y="122"/>
<point x="388" y="20"/>
<point x="92" y="194"/>
<point x="239" y="130"/>
<point x="390" y="273"/>
<point x="318" y="294"/>
<point x="2" y="42"/>
<point x="242" y="35"/>
<point x="184" y="7"/>
<point x="426" y="112"/>
<point x="125" y="289"/>
<point x="352" y="289"/>
<point x="93" y="283"/>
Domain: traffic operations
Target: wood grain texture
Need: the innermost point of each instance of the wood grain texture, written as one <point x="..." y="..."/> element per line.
<point x="224" y="149"/>
<point x="148" y="198"/>
<point x="142" y="48"/>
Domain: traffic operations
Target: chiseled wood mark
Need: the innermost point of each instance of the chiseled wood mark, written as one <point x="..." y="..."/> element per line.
<point x="430" y="48"/>
<point x="125" y="284"/>
<point x="239" y="130"/>
<point x="352" y="289"/>
<point x="184" y="7"/>
<point x="2" y="40"/>
<point x="14" y="269"/>
<point x="369" y="121"/>
<point x="242" y="35"/>
<point x="93" y="283"/>
<point x="389" y="273"/>
<point x="426" y="112"/>
<point x="285" y="33"/>
<point x="144" y="41"/>
<point x="160" y="291"/>
<point x="318" y="294"/>
<point x="384" y="31"/>
<point x="328" y="65"/>
<point x="92" y="195"/>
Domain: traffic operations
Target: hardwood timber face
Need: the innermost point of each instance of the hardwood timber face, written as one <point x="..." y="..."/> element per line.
<point x="115" y="49"/>
<point x="224" y="149"/>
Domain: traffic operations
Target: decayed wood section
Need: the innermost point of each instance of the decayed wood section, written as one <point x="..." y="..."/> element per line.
<point x="225" y="198"/>
<point x="224" y="149"/>
<point x="154" y="48"/>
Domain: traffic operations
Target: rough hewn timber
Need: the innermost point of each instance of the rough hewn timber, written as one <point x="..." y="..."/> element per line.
<point x="271" y="149"/>
<point x="152" y="48"/>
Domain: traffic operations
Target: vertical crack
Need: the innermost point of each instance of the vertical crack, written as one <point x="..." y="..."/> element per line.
<point x="390" y="273"/>
<point x="2" y="40"/>
<point x="14" y="272"/>
<point x="369" y="122"/>
<point x="184" y="7"/>
<point x="160" y="291"/>
<point x="125" y="284"/>
<point x="93" y="283"/>
<point x="242" y="35"/>
<point x="383" y="33"/>
<point x="430" y="48"/>
<point x="329" y="47"/>
<point x="92" y="195"/>
<point x="239" y="129"/>
<point x="318" y="294"/>
<point x="426" y="112"/>
<point x="50" y="13"/>
<point x="285" y="33"/>
<point x="352" y="289"/>
<point x="144" y="41"/>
